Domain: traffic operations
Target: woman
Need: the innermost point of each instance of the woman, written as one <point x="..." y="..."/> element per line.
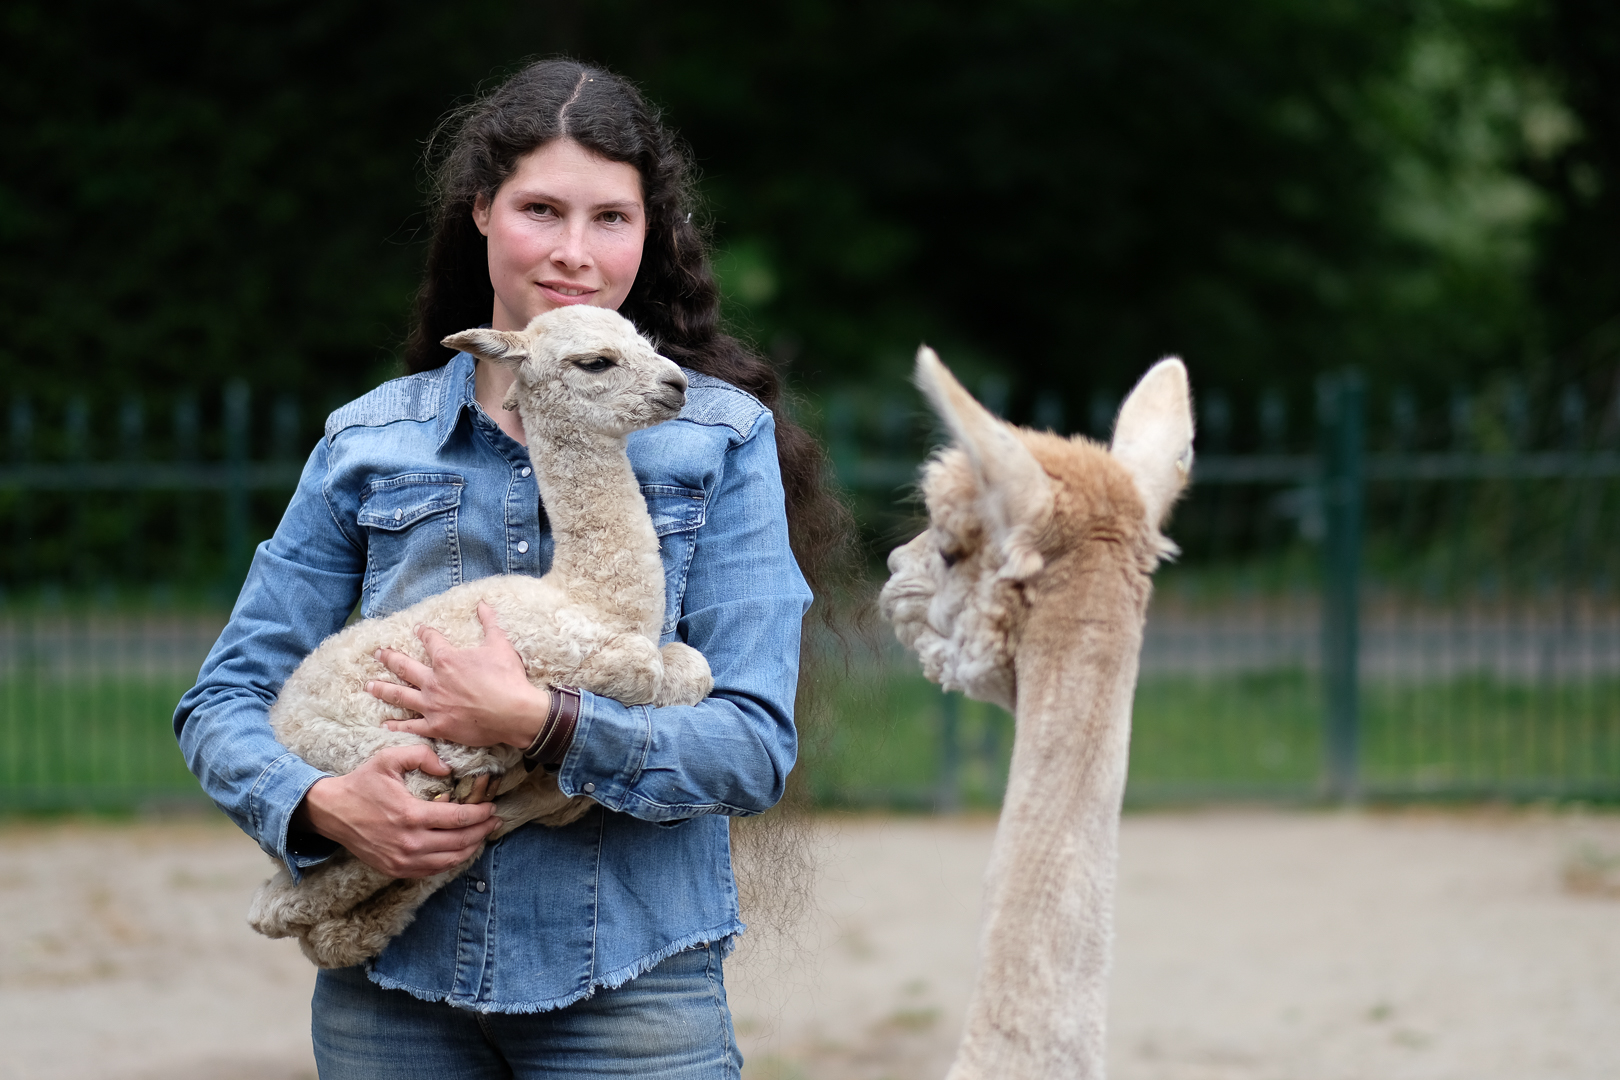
<point x="593" y="949"/>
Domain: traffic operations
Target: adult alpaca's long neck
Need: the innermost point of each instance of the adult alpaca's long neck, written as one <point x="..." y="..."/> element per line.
<point x="606" y="552"/>
<point x="1040" y="1007"/>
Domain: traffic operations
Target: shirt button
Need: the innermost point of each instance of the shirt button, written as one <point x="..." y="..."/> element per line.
<point x="526" y="471"/>
<point x="398" y="514"/>
<point x="480" y="886"/>
<point x="523" y="545"/>
<point x="588" y="788"/>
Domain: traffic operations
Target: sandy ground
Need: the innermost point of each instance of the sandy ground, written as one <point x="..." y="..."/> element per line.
<point x="1252" y="946"/>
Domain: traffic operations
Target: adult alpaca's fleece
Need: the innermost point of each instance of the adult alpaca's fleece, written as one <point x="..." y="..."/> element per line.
<point x="585" y="380"/>
<point x="1029" y="588"/>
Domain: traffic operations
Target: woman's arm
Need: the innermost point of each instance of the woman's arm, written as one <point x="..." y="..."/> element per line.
<point x="743" y="606"/>
<point x="302" y="585"/>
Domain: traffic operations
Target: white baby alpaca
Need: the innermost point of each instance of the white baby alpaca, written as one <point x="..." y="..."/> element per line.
<point x="585" y="380"/>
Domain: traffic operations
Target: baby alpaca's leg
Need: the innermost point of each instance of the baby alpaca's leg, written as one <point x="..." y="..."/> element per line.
<point x="340" y="747"/>
<point x="687" y="679"/>
<point x="363" y="931"/>
<point x="626" y="668"/>
<point x="281" y="908"/>
<point x="467" y="764"/>
<point x="538" y="800"/>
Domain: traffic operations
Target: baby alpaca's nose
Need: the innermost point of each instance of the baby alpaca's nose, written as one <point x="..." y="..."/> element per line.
<point x="676" y="381"/>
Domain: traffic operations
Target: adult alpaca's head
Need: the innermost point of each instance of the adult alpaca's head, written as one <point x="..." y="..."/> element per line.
<point x="582" y="369"/>
<point x="1009" y="512"/>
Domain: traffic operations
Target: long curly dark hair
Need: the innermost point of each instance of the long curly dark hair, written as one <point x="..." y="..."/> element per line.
<point x="675" y="299"/>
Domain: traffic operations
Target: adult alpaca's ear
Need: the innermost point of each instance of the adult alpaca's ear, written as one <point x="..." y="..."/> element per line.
<point x="497" y="346"/>
<point x="1014" y="492"/>
<point x="1153" y="437"/>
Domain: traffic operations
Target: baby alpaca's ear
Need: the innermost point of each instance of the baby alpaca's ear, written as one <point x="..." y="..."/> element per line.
<point x="497" y="346"/>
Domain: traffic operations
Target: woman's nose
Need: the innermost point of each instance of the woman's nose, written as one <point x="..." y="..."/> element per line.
<point x="572" y="250"/>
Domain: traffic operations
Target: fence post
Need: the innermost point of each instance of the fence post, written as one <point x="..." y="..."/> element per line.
<point x="285" y="444"/>
<point x="1341" y="403"/>
<point x="76" y="445"/>
<point x="948" y="799"/>
<point x="237" y="397"/>
<point x="841" y="445"/>
<point x="22" y="428"/>
<point x="131" y="436"/>
<point x="22" y="451"/>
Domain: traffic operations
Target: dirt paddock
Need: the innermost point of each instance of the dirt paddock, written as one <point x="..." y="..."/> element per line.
<point x="1252" y="946"/>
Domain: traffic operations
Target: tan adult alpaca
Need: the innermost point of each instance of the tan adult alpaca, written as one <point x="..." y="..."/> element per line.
<point x="585" y="380"/>
<point x="1029" y="589"/>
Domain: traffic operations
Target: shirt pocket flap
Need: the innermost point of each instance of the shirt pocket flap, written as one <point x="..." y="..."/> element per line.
<point x="401" y="501"/>
<point x="673" y="509"/>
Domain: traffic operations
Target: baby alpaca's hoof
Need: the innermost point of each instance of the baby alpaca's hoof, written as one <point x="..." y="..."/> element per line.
<point x="483" y="784"/>
<point x="468" y="764"/>
<point x="429" y="788"/>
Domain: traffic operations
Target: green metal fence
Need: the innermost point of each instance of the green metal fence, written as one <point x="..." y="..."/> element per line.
<point x="1388" y="610"/>
<point x="85" y="700"/>
<point x="116" y="570"/>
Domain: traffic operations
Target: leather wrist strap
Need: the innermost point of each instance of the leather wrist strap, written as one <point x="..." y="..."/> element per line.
<point x="556" y="735"/>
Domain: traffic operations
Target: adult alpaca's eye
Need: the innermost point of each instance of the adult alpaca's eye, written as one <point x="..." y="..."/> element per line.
<point x="596" y="365"/>
<point x="951" y="556"/>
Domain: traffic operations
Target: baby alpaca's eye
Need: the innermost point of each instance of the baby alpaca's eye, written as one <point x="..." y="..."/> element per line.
<point x="595" y="365"/>
<point x="950" y="555"/>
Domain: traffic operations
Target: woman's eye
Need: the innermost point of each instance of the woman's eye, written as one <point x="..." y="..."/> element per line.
<point x="595" y="366"/>
<point x="540" y="209"/>
<point x="612" y="217"/>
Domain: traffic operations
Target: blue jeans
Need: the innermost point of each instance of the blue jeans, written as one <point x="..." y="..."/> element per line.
<point x="671" y="1022"/>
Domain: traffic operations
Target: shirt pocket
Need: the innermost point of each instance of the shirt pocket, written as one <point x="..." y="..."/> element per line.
<point x="677" y="513"/>
<point x="412" y="548"/>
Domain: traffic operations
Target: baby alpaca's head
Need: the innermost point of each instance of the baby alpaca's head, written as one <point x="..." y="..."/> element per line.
<point x="585" y="367"/>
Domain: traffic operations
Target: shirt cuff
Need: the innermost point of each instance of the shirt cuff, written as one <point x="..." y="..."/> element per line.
<point x="608" y="752"/>
<point x="276" y="796"/>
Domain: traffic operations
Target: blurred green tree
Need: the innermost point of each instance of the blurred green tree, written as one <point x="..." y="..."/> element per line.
<point x="1579" y="249"/>
<point x="1056" y="192"/>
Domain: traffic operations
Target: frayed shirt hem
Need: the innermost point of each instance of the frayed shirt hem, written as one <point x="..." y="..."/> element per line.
<point x="726" y="936"/>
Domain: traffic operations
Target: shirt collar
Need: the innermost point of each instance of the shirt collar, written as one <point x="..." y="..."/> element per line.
<point x="460" y="387"/>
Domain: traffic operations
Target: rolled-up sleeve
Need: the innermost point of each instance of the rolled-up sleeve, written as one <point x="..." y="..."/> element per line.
<point x="302" y="585"/>
<point x="742" y="608"/>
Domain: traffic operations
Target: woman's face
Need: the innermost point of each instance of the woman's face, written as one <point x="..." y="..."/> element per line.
<point x="566" y="227"/>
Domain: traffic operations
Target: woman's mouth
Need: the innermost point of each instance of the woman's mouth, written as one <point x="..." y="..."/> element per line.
<point x="563" y="292"/>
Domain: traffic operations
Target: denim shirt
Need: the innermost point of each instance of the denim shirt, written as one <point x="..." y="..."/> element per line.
<point x="414" y="489"/>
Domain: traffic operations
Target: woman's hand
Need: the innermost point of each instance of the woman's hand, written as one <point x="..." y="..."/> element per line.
<point x="370" y="812"/>
<point x="477" y="697"/>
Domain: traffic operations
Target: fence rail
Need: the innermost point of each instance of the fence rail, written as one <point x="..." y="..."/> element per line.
<point x="124" y="476"/>
<point x="1304" y="468"/>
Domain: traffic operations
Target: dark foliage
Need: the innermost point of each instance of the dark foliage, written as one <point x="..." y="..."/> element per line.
<point x="1580" y="277"/>
<point x="1056" y="191"/>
